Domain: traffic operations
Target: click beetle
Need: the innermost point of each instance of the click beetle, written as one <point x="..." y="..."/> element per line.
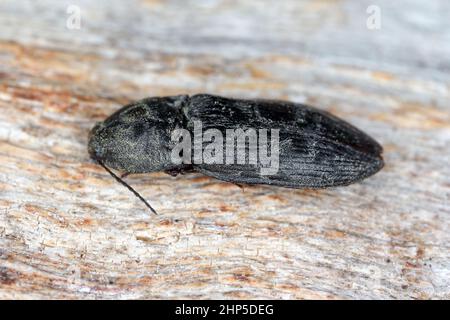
<point x="314" y="148"/>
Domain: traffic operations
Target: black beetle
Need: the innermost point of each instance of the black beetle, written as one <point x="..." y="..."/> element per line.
<point x="315" y="149"/>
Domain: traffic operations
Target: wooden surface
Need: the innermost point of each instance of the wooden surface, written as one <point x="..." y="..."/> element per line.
<point x="67" y="230"/>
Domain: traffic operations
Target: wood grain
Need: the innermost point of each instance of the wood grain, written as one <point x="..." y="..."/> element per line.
<point x="67" y="230"/>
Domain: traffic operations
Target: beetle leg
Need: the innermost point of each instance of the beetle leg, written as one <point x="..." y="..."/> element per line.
<point x="173" y="172"/>
<point x="241" y="186"/>
<point x="124" y="175"/>
<point x="180" y="170"/>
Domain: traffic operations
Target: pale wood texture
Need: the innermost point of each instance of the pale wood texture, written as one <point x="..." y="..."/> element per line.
<point x="67" y="230"/>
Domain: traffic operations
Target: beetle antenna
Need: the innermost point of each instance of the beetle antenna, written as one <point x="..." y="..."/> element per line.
<point x="127" y="186"/>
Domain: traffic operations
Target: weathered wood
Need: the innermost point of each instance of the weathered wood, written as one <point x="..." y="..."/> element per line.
<point x="67" y="230"/>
